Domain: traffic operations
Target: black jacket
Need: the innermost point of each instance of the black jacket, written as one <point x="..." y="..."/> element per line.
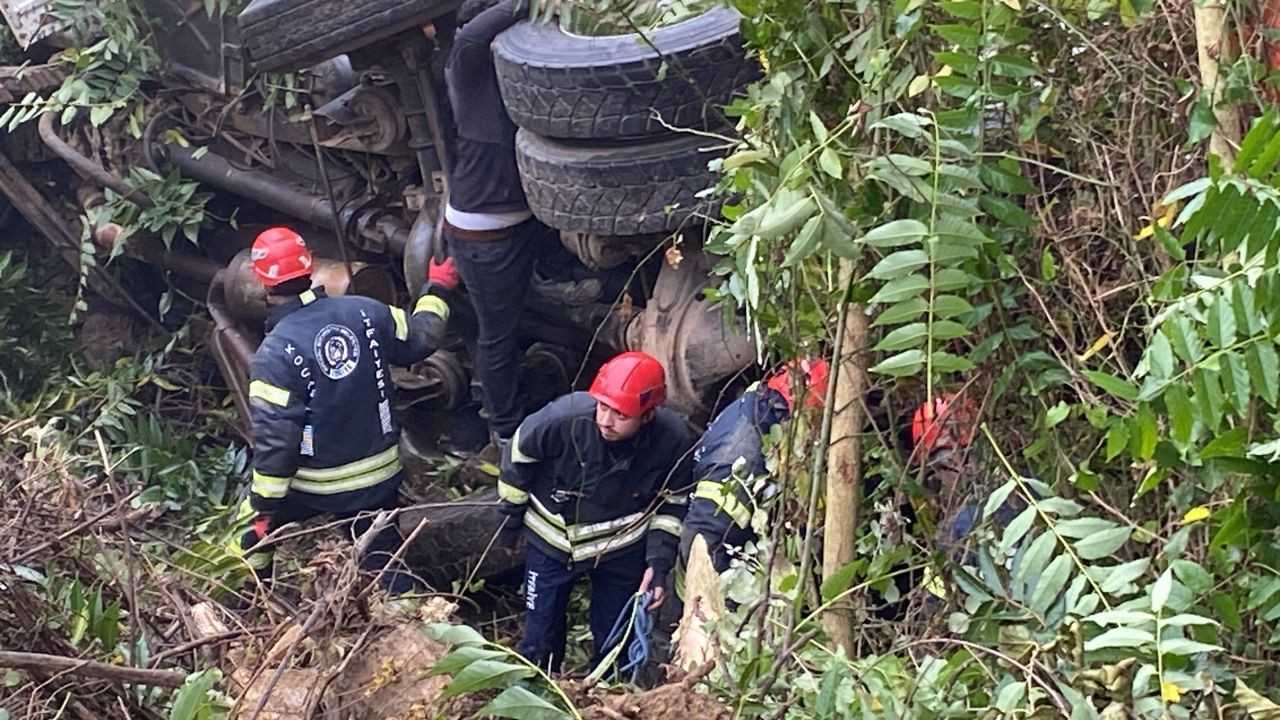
<point x="321" y="397"/>
<point x="583" y="499"/>
<point x="485" y="178"/>
<point x="729" y="460"/>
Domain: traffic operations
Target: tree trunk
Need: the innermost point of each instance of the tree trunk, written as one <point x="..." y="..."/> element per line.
<point x="1212" y="44"/>
<point x="1271" y="44"/>
<point x="844" y="464"/>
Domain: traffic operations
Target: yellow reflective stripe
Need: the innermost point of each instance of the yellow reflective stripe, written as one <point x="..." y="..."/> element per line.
<point x="271" y="393"/>
<point x="680" y="500"/>
<point x="342" y="472"/>
<point x="666" y="523"/>
<point x="512" y="494"/>
<point x="269" y="486"/>
<point x="616" y="542"/>
<point x="933" y="583"/>
<point x="550" y="517"/>
<point x="721" y="496"/>
<point x="433" y="305"/>
<point x="517" y="455"/>
<point x="357" y="482"/>
<point x="543" y="529"/>
<point x="402" y="323"/>
<point x="246" y="510"/>
<point x="307" y="297"/>
<point x="589" y="530"/>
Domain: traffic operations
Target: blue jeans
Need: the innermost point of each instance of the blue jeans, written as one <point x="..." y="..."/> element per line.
<point x="497" y="275"/>
<point x="547" y="586"/>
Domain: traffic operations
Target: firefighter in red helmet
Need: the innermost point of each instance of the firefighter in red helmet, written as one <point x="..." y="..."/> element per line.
<point x="320" y="393"/>
<point x="596" y="483"/>
<point x="729" y="462"/>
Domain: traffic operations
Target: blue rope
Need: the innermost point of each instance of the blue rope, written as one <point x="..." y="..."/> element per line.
<point x="638" y="650"/>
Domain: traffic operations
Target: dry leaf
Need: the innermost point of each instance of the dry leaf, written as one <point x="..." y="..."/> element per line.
<point x="674" y="257"/>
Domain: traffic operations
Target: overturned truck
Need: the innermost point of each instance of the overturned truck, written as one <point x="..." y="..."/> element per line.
<point x="360" y="165"/>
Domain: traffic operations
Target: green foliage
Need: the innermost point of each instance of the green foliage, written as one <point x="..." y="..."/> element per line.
<point x="106" y="67"/>
<point x="92" y="619"/>
<point x="36" y="341"/>
<point x="74" y="416"/>
<point x="617" y="17"/>
<point x="176" y="205"/>
<point x="283" y="90"/>
<point x="477" y="664"/>
<point x="891" y="158"/>
<point x="909" y="195"/>
<point x="197" y="700"/>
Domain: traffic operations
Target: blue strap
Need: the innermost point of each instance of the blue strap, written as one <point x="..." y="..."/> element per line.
<point x="635" y="617"/>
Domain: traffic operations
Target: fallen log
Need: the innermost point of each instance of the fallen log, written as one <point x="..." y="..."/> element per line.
<point x="90" y="668"/>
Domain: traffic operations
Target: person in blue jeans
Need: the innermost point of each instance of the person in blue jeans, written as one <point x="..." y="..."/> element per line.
<point x="596" y="484"/>
<point x="488" y="227"/>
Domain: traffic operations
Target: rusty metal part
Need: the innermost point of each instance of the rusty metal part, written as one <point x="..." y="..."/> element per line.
<point x="375" y="227"/>
<point x="30" y="21"/>
<point x="601" y="252"/>
<point x="85" y="167"/>
<point x="215" y="170"/>
<point x="16" y="81"/>
<point x="366" y="119"/>
<point x="439" y="381"/>
<point x="246" y="299"/>
<point x="195" y="267"/>
<point x="232" y="351"/>
<point x="689" y="336"/>
<point x="411" y="71"/>
<point x="44" y="218"/>
<point x="418" y="249"/>
<point x="363" y="119"/>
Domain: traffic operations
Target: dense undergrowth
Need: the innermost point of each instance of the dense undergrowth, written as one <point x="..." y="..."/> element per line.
<point x="1015" y="196"/>
<point x="117" y="473"/>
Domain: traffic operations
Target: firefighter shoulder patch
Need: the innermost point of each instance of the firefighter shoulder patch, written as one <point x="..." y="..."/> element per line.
<point x="337" y="351"/>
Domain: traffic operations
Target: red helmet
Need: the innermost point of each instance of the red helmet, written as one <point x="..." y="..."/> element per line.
<point x="280" y="254"/>
<point x="632" y="383"/>
<point x="817" y="373"/>
<point x="943" y="424"/>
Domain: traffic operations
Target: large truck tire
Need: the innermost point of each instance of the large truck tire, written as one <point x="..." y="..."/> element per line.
<point x="451" y="545"/>
<point x="577" y="88"/>
<point x="292" y="34"/>
<point x="635" y="189"/>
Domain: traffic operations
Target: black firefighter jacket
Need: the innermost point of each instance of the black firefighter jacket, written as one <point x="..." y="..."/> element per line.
<point x="582" y="499"/>
<point x="729" y="459"/>
<point x="321" y="397"/>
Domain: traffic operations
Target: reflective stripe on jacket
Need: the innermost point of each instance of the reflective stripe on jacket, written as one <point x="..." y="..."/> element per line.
<point x="582" y="499"/>
<point x="730" y="461"/>
<point x="321" y="396"/>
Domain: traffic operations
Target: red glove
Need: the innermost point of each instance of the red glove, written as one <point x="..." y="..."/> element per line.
<point x="443" y="274"/>
<point x="262" y="526"/>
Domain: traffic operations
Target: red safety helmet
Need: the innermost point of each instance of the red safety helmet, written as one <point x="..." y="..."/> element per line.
<point x="817" y="373"/>
<point x="943" y="424"/>
<point x="280" y="254"/>
<point x="632" y="383"/>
